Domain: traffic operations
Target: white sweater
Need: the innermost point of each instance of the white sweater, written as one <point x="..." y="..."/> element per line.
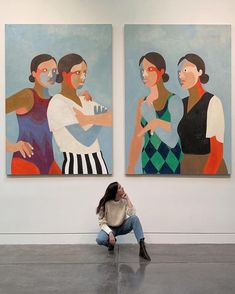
<point x="114" y="214"/>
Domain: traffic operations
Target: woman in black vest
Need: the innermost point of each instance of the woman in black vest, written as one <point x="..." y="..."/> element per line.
<point x="201" y="128"/>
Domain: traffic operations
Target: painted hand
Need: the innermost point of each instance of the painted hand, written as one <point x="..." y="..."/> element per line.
<point x="151" y="126"/>
<point x="100" y="109"/>
<point x="87" y="95"/>
<point x="24" y="148"/>
<point x="82" y="118"/>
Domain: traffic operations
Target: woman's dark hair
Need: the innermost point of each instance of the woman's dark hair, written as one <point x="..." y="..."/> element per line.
<point x="109" y="194"/>
<point x="66" y="63"/>
<point x="35" y="63"/>
<point x="199" y="63"/>
<point x="156" y="59"/>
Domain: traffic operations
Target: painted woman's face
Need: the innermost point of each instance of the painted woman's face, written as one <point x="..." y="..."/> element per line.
<point x="188" y="74"/>
<point x="149" y="73"/>
<point x="78" y="75"/>
<point x="46" y="73"/>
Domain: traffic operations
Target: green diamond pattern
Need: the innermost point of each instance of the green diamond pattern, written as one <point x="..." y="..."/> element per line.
<point x="172" y="161"/>
<point x="157" y="160"/>
<point x="145" y="159"/>
<point x="155" y="140"/>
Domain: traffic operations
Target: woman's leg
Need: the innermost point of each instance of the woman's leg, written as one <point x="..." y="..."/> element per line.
<point x="132" y="223"/>
<point x="102" y="238"/>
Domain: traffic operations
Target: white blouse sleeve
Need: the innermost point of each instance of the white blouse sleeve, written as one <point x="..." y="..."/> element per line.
<point x="215" y="120"/>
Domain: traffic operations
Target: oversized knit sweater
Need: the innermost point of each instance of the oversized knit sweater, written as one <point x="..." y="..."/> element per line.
<point x="114" y="214"/>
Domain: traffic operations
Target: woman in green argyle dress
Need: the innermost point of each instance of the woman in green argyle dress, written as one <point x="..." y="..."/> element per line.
<point x="157" y="119"/>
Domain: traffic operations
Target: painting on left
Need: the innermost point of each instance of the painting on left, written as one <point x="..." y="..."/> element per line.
<point x="58" y="99"/>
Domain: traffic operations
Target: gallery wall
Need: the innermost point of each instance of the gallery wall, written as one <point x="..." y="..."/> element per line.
<point x="62" y="210"/>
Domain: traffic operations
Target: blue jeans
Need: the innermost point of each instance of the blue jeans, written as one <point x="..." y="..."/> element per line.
<point x="132" y="223"/>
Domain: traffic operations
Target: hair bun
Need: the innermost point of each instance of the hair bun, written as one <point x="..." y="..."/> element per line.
<point x="204" y="78"/>
<point x="165" y="77"/>
<point x="59" y="78"/>
<point x="31" y="79"/>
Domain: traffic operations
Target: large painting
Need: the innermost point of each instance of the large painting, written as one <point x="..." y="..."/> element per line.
<point x="178" y="99"/>
<point x="59" y="99"/>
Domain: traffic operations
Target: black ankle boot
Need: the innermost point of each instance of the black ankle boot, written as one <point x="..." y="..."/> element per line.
<point x="143" y="252"/>
<point x="110" y="246"/>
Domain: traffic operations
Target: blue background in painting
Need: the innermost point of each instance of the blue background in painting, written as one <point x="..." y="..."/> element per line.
<point x="211" y="42"/>
<point x="92" y="42"/>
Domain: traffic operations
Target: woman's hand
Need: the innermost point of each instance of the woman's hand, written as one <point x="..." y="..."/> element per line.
<point x="87" y="95"/>
<point x="151" y="126"/>
<point x="124" y="195"/>
<point x="82" y="118"/>
<point x="112" y="240"/>
<point x="23" y="147"/>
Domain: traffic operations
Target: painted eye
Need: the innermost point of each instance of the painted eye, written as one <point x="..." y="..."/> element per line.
<point x="77" y="72"/>
<point x="54" y="70"/>
<point x="151" y="68"/>
<point x="185" y="70"/>
<point x="44" y="70"/>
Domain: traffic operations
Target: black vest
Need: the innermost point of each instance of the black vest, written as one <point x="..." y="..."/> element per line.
<point x="192" y="127"/>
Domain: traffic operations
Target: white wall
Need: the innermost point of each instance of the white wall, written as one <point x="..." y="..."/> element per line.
<point x="62" y="210"/>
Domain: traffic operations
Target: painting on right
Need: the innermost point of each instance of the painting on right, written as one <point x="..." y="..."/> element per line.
<point x="178" y="99"/>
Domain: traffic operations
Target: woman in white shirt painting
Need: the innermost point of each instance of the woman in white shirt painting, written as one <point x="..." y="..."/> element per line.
<point x="76" y="122"/>
<point x="117" y="217"/>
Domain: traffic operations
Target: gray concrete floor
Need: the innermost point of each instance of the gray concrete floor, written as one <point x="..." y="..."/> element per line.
<point x="88" y="269"/>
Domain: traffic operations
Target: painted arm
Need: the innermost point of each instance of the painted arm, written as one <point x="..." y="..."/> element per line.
<point x="136" y="141"/>
<point x="167" y="131"/>
<point x="215" y="131"/>
<point x="85" y="137"/>
<point x="20" y="102"/>
<point x="103" y="119"/>
<point x="216" y="155"/>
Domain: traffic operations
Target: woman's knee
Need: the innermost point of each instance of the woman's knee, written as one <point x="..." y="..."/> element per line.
<point x="102" y="238"/>
<point x="99" y="241"/>
<point x="134" y="218"/>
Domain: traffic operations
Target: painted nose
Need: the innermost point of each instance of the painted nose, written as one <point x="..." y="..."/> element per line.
<point x="50" y="74"/>
<point x="145" y="73"/>
<point x="83" y="77"/>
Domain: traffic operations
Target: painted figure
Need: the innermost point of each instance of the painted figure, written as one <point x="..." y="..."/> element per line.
<point x="76" y="122"/>
<point x="157" y="120"/>
<point x="201" y="129"/>
<point x="33" y="153"/>
<point x="117" y="216"/>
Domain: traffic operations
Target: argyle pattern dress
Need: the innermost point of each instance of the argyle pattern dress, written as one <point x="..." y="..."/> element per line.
<point x="158" y="157"/>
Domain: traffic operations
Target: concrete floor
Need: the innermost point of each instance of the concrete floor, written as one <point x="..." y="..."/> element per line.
<point x="88" y="269"/>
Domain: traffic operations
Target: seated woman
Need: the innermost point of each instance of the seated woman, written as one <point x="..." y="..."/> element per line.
<point x="76" y="122"/>
<point x="117" y="217"/>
